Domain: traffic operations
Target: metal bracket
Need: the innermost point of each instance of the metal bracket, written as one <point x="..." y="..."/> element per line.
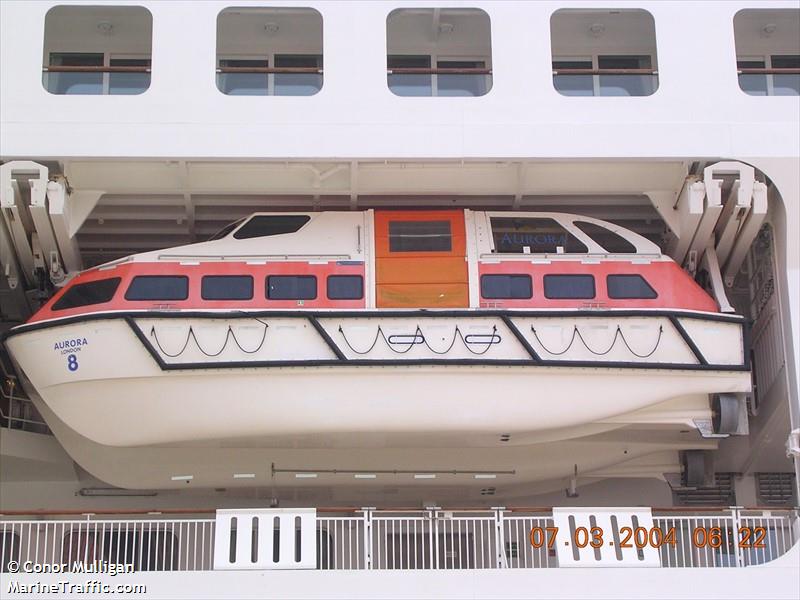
<point x="706" y="429"/>
<point x="793" y="444"/>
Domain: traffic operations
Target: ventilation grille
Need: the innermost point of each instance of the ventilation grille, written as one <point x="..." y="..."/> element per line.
<point x="775" y="489"/>
<point x="719" y="494"/>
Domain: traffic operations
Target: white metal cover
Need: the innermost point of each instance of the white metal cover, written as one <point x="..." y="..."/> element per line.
<point x="246" y="539"/>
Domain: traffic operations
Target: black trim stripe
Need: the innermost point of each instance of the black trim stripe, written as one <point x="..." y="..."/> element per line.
<point x="342" y="360"/>
<point x="688" y="340"/>
<point x="324" y="335"/>
<point x="320" y="314"/>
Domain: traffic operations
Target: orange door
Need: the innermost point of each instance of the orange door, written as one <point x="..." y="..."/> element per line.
<point x="420" y="259"/>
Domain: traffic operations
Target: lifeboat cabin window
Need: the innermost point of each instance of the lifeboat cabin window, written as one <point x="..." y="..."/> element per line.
<point x="625" y="287"/>
<point x="345" y="287"/>
<point x="291" y="287"/>
<point x="520" y="235"/>
<point x="226" y="287"/>
<point x="768" y="51"/>
<point x="158" y="287"/>
<point x="266" y="225"/>
<point x="569" y="287"/>
<point x="97" y="50"/>
<point x="86" y="294"/>
<point x="506" y="287"/>
<point x="265" y="51"/>
<point x="420" y="236"/>
<point x="613" y="243"/>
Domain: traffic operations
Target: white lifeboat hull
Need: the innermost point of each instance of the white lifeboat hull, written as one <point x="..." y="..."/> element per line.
<point x="163" y="378"/>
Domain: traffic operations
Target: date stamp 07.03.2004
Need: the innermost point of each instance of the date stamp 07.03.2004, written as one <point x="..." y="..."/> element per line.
<point x="641" y="537"/>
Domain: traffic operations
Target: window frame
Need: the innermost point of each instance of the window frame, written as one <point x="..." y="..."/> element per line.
<point x="227" y="276"/>
<point x="436" y="57"/>
<point x="488" y="82"/>
<point x="343" y="275"/>
<point x="595" y="60"/>
<point x="252" y="218"/>
<point x="770" y="77"/>
<point x="135" y="277"/>
<point x="106" y="76"/>
<point x="767" y="60"/>
<point x="510" y="275"/>
<point x="287" y="276"/>
<point x="269" y="58"/>
<point x="576" y="275"/>
<point x="629" y="276"/>
<point x="408" y="252"/>
<point x="56" y="308"/>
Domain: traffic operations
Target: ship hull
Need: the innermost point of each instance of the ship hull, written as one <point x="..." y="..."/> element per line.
<point x="145" y="379"/>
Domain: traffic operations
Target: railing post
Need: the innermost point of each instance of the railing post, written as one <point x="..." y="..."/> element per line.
<point x="736" y="525"/>
<point x="500" y="537"/>
<point x="367" y="537"/>
<point x="433" y="545"/>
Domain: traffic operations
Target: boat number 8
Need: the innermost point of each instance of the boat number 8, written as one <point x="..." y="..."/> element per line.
<point x="72" y="362"/>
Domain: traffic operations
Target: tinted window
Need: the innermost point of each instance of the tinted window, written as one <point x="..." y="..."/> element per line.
<point x="345" y="287"/>
<point x="629" y="286"/>
<point x="84" y="294"/>
<point x="613" y="243"/>
<point x="506" y="286"/>
<point x="265" y="225"/>
<point x="569" y="286"/>
<point x="539" y="236"/>
<point x="420" y="236"/>
<point x="291" y="287"/>
<point x="158" y="287"/>
<point x="227" y="287"/>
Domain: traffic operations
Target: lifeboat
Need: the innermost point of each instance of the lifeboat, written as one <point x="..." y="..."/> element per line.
<point x="297" y="337"/>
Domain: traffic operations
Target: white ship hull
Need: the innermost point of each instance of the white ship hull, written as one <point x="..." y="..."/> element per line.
<point x="170" y="380"/>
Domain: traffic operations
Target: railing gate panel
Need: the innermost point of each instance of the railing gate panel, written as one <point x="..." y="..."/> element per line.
<point x="268" y="538"/>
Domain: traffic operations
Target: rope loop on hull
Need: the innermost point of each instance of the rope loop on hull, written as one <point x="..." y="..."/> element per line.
<point x="419" y="338"/>
<point x="618" y="334"/>
<point x="229" y="335"/>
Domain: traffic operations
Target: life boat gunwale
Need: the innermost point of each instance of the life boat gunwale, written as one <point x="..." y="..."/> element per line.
<point x="505" y="315"/>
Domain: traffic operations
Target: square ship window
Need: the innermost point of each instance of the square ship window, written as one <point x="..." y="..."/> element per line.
<point x="345" y="287"/>
<point x="158" y="287"/>
<point x="97" y="50"/>
<point x="768" y="51"/>
<point x="291" y="287"/>
<point x="569" y="287"/>
<point x="420" y="236"/>
<point x="604" y="52"/>
<point x="226" y="287"/>
<point x="439" y="52"/>
<point x="265" y="51"/>
<point x="518" y="287"/>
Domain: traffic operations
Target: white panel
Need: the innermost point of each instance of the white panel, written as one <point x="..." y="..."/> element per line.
<point x="720" y="343"/>
<point x="265" y="560"/>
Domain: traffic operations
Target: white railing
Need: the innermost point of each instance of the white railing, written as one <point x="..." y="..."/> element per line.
<point x="89" y="544"/>
<point x="349" y="539"/>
